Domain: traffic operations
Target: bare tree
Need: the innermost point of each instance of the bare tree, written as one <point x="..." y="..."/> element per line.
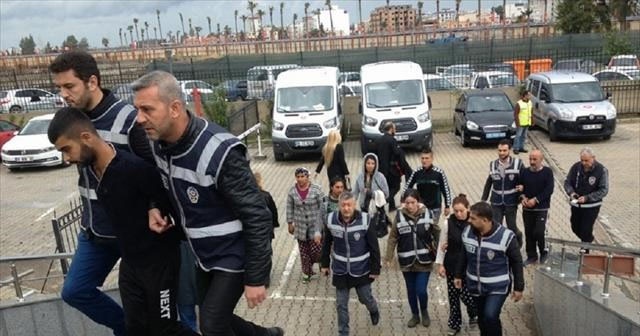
<point x="184" y="32"/>
<point x="135" y="24"/>
<point x="235" y="18"/>
<point x="120" y="34"/>
<point x="159" y="26"/>
<point x="328" y="4"/>
<point x="209" y="22"/>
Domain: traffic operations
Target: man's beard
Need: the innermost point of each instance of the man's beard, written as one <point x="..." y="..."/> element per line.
<point x="87" y="156"/>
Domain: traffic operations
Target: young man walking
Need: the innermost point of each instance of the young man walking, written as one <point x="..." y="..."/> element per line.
<point x="351" y="247"/>
<point x="432" y="184"/>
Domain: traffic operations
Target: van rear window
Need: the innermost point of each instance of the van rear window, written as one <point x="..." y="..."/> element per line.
<point x="257" y="75"/>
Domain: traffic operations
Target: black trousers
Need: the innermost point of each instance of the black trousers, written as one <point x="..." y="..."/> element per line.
<point x="508" y="212"/>
<point x="582" y="220"/>
<point x="534" y="227"/>
<point x="149" y="297"/>
<point x="220" y="292"/>
<point x="394" y="186"/>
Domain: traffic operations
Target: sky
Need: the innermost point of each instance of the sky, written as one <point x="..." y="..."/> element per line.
<point x="53" y="20"/>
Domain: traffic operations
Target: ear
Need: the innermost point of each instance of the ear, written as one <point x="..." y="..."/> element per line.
<point x="86" y="137"/>
<point x="93" y="82"/>
<point x="175" y="108"/>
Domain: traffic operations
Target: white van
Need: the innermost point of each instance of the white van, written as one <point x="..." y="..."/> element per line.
<point x="261" y="80"/>
<point x="394" y="91"/>
<point x="305" y="109"/>
<point x="571" y="105"/>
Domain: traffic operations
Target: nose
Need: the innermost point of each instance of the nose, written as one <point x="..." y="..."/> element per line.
<point x="140" y="118"/>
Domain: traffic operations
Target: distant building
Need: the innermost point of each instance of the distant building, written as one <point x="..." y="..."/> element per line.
<point x="447" y="14"/>
<point x="340" y="18"/>
<point x="393" y="18"/>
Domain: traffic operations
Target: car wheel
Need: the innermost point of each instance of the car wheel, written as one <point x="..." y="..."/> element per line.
<point x="278" y="156"/>
<point x="553" y="133"/>
<point x="606" y="137"/>
<point x="463" y="139"/>
<point x="15" y="109"/>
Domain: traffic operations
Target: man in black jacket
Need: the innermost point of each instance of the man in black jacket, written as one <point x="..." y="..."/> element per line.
<point x="148" y="277"/>
<point x="222" y="212"/>
<point x="432" y="184"/>
<point x="392" y="162"/>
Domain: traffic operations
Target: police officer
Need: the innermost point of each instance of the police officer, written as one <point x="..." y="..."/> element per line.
<point x="504" y="184"/>
<point x="523" y="118"/>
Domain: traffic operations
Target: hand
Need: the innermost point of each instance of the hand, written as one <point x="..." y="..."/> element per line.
<point x="317" y="239"/>
<point x="373" y="276"/>
<point x="516" y="296"/>
<point x="325" y="271"/>
<point x="447" y="211"/>
<point x="457" y="283"/>
<point x="442" y="272"/>
<point x="157" y="223"/>
<point x="519" y="188"/>
<point x="291" y="228"/>
<point x="255" y="295"/>
<point x="444" y="247"/>
<point x="582" y="199"/>
<point x="531" y="202"/>
<point x="523" y="202"/>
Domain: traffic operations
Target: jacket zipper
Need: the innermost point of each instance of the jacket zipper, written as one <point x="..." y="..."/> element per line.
<point x="346" y="242"/>
<point x="478" y="265"/>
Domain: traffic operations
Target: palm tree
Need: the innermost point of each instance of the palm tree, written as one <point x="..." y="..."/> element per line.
<point x="235" y="19"/>
<point x="545" y="11"/>
<point x="146" y="28"/>
<point x="218" y="28"/>
<point x="244" y="23"/>
<point x="105" y="42"/>
<point x="159" y="26"/>
<point x="125" y="40"/>
<point x="251" y="6"/>
<point x="458" y="13"/>
<point x="360" y="11"/>
<point x="271" y="21"/>
<point x="295" y="18"/>
<point x="281" y="17"/>
<point x="420" y="4"/>
<point x="155" y="33"/>
<point x="504" y="15"/>
<point x="142" y="34"/>
<point x="130" y="29"/>
<point x="209" y="22"/>
<point x="479" y="12"/>
<point x="184" y="32"/>
<point x="438" y="12"/>
<point x="328" y="4"/>
<point x="191" y="31"/>
<point x="120" y="34"/>
<point x="198" y="29"/>
<point x="135" y="24"/>
<point x="306" y="13"/>
<point x="260" y="14"/>
<point x="317" y="13"/>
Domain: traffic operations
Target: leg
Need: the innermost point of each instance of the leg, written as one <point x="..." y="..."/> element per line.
<point x="436" y="215"/>
<point x="518" y="141"/>
<point x="394" y="186"/>
<point x="342" y="306"/>
<point x="469" y="301"/>
<point x="490" y="317"/>
<point x="410" y="282"/>
<point x="187" y="314"/>
<point x="187" y="292"/>
<point x="455" y="318"/>
<point x="305" y="257"/>
<point x="538" y="233"/>
<point x="134" y="301"/>
<point x="90" y="266"/>
<point x="589" y="216"/>
<point x="575" y="221"/>
<point x="523" y="141"/>
<point x="529" y="219"/>
<point x="365" y="296"/>
<point x="510" y="214"/>
<point x="422" y="281"/>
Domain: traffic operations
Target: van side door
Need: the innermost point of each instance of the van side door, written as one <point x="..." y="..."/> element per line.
<point x="533" y="86"/>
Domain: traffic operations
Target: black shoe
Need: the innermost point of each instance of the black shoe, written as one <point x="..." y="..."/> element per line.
<point x="544" y="256"/>
<point x="375" y="317"/>
<point x="515" y="151"/>
<point x="524" y="151"/>
<point x="275" y="331"/>
<point x="530" y="261"/>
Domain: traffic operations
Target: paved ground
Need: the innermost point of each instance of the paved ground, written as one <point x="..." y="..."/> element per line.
<point x="28" y="199"/>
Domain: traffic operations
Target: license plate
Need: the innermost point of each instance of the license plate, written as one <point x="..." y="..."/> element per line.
<point x="591" y="127"/>
<point x="24" y="159"/>
<point x="304" y="143"/>
<point x="496" y="135"/>
<point x="401" y="137"/>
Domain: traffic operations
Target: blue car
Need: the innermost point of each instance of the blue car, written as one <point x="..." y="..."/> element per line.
<point x="235" y="89"/>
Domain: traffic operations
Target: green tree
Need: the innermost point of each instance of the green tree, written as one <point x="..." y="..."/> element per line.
<point x="83" y="44"/>
<point x="28" y="45"/>
<point x="621" y="9"/>
<point x="499" y="10"/>
<point x="47" y="48"/>
<point x="251" y="7"/>
<point x="617" y="44"/>
<point x="135" y="24"/>
<point x="576" y="16"/>
<point x="215" y="109"/>
<point x="70" y="42"/>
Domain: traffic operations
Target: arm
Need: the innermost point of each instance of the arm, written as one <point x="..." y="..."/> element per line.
<point x="320" y="164"/>
<point x="356" y="187"/>
<point x="322" y="212"/>
<point x="603" y="187"/>
<point x="271" y="204"/>
<point x="392" y="241"/>
<point x="461" y="266"/>
<point x="374" y="249"/>
<point x="487" y="189"/>
<point x="411" y="181"/>
<point x="516" y="111"/>
<point x="445" y="190"/>
<point x="515" y="263"/>
<point x="327" y="243"/>
<point x="289" y="209"/>
<point x="343" y="162"/>
<point x="139" y="143"/>
<point x="382" y="183"/>
<point x="239" y="190"/>
<point x="569" y="181"/>
<point x="444" y="233"/>
<point x="548" y="187"/>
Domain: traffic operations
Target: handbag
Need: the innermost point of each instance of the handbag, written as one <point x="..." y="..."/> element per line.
<point x="381" y="222"/>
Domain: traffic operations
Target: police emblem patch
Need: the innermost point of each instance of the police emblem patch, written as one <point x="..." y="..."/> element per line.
<point x="511" y="177"/>
<point x="592" y="180"/>
<point x="193" y="195"/>
<point x="356" y="236"/>
<point x="491" y="254"/>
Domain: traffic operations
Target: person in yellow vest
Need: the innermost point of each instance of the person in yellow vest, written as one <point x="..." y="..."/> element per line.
<point x="522" y="115"/>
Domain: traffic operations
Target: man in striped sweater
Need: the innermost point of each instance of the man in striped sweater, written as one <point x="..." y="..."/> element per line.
<point x="432" y="184"/>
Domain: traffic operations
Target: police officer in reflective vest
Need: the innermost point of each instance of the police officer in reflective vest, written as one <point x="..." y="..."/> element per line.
<point x="492" y="264"/>
<point x="523" y="118"/>
<point x="351" y="247"/>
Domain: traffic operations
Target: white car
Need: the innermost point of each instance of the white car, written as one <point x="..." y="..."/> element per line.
<point x="458" y="74"/>
<point x="349" y="84"/>
<point x="22" y="100"/>
<point x="608" y="75"/>
<point x="203" y="87"/>
<point x="493" y="79"/>
<point x="624" y="63"/>
<point x="433" y="82"/>
<point x="31" y="147"/>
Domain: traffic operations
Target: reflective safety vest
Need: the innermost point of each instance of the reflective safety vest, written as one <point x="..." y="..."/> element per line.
<point x="503" y="189"/>
<point x="488" y="269"/>
<point x="412" y="238"/>
<point x="524" y="116"/>
<point x="350" y="253"/>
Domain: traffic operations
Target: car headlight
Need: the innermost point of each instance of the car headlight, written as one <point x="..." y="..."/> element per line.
<point x="424" y="117"/>
<point x="370" y="121"/>
<point x="564" y="112"/>
<point x="611" y="112"/>
<point x="331" y="123"/>
<point x="472" y="126"/>
<point x="4" y="151"/>
<point x="277" y="126"/>
<point x="48" y="149"/>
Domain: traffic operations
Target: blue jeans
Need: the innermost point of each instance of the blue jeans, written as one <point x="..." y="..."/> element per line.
<point x="416" y="283"/>
<point x="521" y="136"/>
<point x="365" y="296"/>
<point x="489" y="308"/>
<point x="187" y="313"/>
<point x="90" y="266"/>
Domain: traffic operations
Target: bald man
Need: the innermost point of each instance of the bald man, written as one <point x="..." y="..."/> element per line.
<point x="537" y="187"/>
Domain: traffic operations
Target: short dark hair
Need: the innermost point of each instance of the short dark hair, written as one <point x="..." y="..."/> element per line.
<point x="70" y="122"/>
<point x="460" y="199"/>
<point x="483" y="210"/>
<point x="427" y="150"/>
<point x="335" y="180"/>
<point x="388" y="126"/>
<point x="524" y="92"/>
<point x="82" y="63"/>
<point x="504" y="142"/>
<point x="413" y="193"/>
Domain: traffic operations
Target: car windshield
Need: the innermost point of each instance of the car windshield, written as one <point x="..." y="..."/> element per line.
<point x="305" y="99"/>
<point x="34" y="127"/>
<point x="568" y="65"/>
<point x="436" y="84"/>
<point x="627" y="61"/>
<point x="257" y="75"/>
<point x="577" y="92"/>
<point x="395" y="93"/>
<point x="503" y="80"/>
<point x="488" y="103"/>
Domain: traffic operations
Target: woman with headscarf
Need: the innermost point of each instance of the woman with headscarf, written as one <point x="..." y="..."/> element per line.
<point x="369" y="181"/>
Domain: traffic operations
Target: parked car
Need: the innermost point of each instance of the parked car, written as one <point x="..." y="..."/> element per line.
<point x="483" y="116"/>
<point x="608" y="75"/>
<point x="206" y="90"/>
<point x="22" y="100"/>
<point x="31" y="146"/>
<point x="433" y="82"/>
<point x="493" y="79"/>
<point x="458" y="74"/>
<point x="235" y="89"/>
<point x="448" y="39"/>
<point x="349" y="84"/>
<point x="624" y="63"/>
<point x="7" y="131"/>
<point x="124" y="92"/>
<point x="575" y="64"/>
<point x="261" y="80"/>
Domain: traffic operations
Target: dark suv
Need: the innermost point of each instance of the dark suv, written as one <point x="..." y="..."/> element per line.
<point x="483" y="116"/>
<point x="235" y="89"/>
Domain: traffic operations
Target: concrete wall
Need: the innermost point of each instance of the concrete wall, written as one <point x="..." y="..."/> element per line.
<point x="49" y="316"/>
<point x="576" y="311"/>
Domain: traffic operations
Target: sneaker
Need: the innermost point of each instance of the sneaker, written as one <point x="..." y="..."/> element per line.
<point x="473" y="320"/>
<point x="530" y="261"/>
<point x="543" y="257"/>
<point x="413" y="322"/>
<point x="426" y="321"/>
<point x="375" y="317"/>
<point x="306" y="279"/>
<point x="452" y="331"/>
<point x="275" y="331"/>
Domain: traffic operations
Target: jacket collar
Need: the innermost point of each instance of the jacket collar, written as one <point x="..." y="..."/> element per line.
<point x="187" y="139"/>
<point x="108" y="99"/>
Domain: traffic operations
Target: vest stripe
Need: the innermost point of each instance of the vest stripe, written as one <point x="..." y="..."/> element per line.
<point x="504" y="192"/>
<point x="352" y="259"/>
<point x="185" y="174"/>
<point x="121" y="118"/>
<point x="117" y="138"/>
<point x="217" y="230"/>
<point x="88" y="193"/>
<point x="495" y="279"/>
<point x="587" y="205"/>
<point x="412" y="253"/>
